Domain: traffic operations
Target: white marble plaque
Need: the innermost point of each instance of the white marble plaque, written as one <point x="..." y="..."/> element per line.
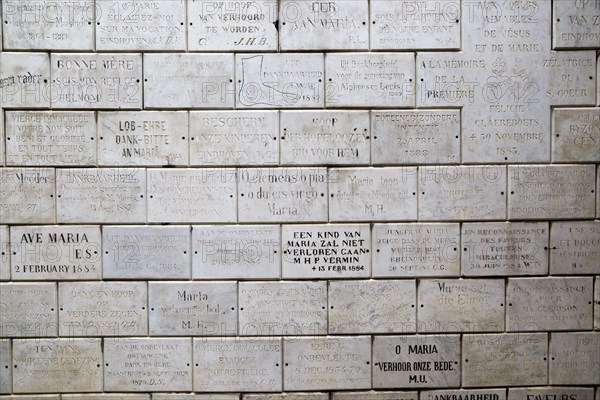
<point x="575" y="248"/>
<point x="287" y="396"/>
<point x="378" y="395"/>
<point x="578" y="393"/>
<point x="6" y="366"/>
<point x="370" y="80"/>
<point x="100" y="195"/>
<point x="5" y="252"/>
<point x="576" y="24"/>
<point x="381" y="306"/>
<point x="24" y="80"/>
<point x="401" y="250"/>
<point x="148" y="364"/>
<point x="325" y="137"/>
<point x="57" y="365"/>
<point x="220" y="138"/>
<point x="504" y="248"/>
<point x="41" y="138"/>
<point x="326" y="251"/>
<point x="279" y="80"/>
<point x="28" y="309"/>
<point x="152" y="138"/>
<point x="373" y="194"/>
<point x="415" y="136"/>
<point x="236" y="252"/>
<point x="558" y="304"/>
<point x="597" y="303"/>
<point x="576" y="134"/>
<point x="27" y="195"/>
<point x="327" y="363"/>
<point x="483" y="394"/>
<point x="96" y="80"/>
<point x="462" y="192"/>
<point x="220" y="25"/>
<point x="575" y="358"/>
<point x="188" y="80"/>
<point x="193" y="308"/>
<point x="237" y="364"/>
<point x="192" y="195"/>
<point x="324" y="25"/>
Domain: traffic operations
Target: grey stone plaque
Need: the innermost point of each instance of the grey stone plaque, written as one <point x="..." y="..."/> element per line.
<point x="2" y="151"/>
<point x="279" y="80"/>
<point x="373" y="194"/>
<point x="324" y="25"/>
<point x="576" y="134"/>
<point x="504" y="248"/>
<point x="370" y="80"/>
<point x="146" y="252"/>
<point x="180" y="396"/>
<point x="462" y="192"/>
<point x="32" y="397"/>
<point x="415" y="136"/>
<point x="55" y="252"/>
<point x="40" y="138"/>
<point x="283" y="308"/>
<point x="327" y="363"/>
<point x="96" y="80"/>
<point x="28" y="309"/>
<point x="462" y="394"/>
<point x="237" y="364"/>
<point x="27" y="195"/>
<point x="378" y="395"/>
<point x="287" y="396"/>
<point x="5" y="252"/>
<point x="577" y="393"/>
<point x="24" y="80"/>
<point x="143" y="138"/>
<point x="148" y="364"/>
<point x="220" y="138"/>
<point x="101" y="195"/>
<point x="57" y="365"/>
<point x="401" y="250"/>
<point x="597" y="303"/>
<point x="219" y="25"/>
<point x="326" y="251"/>
<point x="188" y="80"/>
<point x="193" y="308"/>
<point x="575" y="248"/>
<point x="325" y="137"/>
<point x="105" y="396"/>
<point x="557" y="304"/>
<point x="140" y="25"/>
<point x="236" y="252"/>
<point x="192" y="195"/>
<point x="381" y="306"/>
<point x="6" y="366"/>
<point x="575" y="358"/>
<point x="576" y="24"/>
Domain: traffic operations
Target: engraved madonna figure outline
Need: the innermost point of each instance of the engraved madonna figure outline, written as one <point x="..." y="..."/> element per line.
<point x="254" y="91"/>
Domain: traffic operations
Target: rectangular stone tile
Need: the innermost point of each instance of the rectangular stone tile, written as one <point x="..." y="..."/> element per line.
<point x="576" y="134"/>
<point x="5" y="252"/>
<point x="373" y="194"/>
<point x="597" y="303"/>
<point x="287" y="396"/>
<point x="101" y="195"/>
<point x="32" y="397"/>
<point x="237" y="364"/>
<point x="2" y="136"/>
<point x="146" y="252"/>
<point x="575" y="248"/>
<point x="504" y="248"/>
<point x="483" y="394"/>
<point x="505" y="359"/>
<point x="378" y="395"/>
<point x="236" y="252"/>
<point x="28" y="310"/>
<point x="327" y="363"/>
<point x="147" y="364"/>
<point x="575" y="24"/>
<point x="180" y="396"/>
<point x="598" y="190"/>
<point x="6" y="366"/>
<point x="283" y="308"/>
<point x="326" y="251"/>
<point x="579" y="393"/>
<point x="27" y="195"/>
<point x="105" y="396"/>
<point x="193" y="308"/>
<point x="381" y="306"/>
<point x="25" y="80"/>
<point x="154" y="138"/>
<point x="575" y="358"/>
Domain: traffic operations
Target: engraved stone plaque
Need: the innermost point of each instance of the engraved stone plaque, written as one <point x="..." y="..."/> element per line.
<point x="28" y="309"/>
<point x="287" y="396"/>
<point x="483" y="394"/>
<point x="40" y="138"/>
<point x="96" y="80"/>
<point x="192" y="195"/>
<point x="373" y="194"/>
<point x="401" y="250"/>
<point x="188" y="80"/>
<point x="5" y="366"/>
<point x="24" y="80"/>
<point x="597" y="303"/>
<point x="237" y="364"/>
<point x="1" y="132"/>
<point x="180" y="396"/>
<point x="326" y="251"/>
<point x="140" y="25"/>
<point x="193" y="308"/>
<point x="576" y="24"/>
<point x="325" y="137"/>
<point x="27" y="195"/>
<point x="5" y="252"/>
<point x="462" y="192"/>
<point x="283" y="308"/>
<point x="236" y="252"/>
<point x="415" y="136"/>
<point x="282" y="194"/>
<point x="279" y="80"/>
<point x="575" y="358"/>
<point x="381" y="306"/>
<point x="575" y="248"/>
<point x="147" y="364"/>
<point x="220" y="138"/>
<point x="219" y="25"/>
<point x="579" y="393"/>
<point x="504" y="248"/>
<point x="143" y="138"/>
<point x="378" y="395"/>
<point x="57" y="365"/>
<point x="101" y="195"/>
<point x="370" y="80"/>
<point x="327" y="363"/>
<point x="576" y="134"/>
<point x="105" y="396"/>
<point x="323" y="25"/>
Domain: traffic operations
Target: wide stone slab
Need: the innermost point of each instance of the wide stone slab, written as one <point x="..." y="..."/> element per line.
<point x="378" y="395"/>
<point x="182" y="396"/>
<point x="575" y="248"/>
<point x="28" y="309"/>
<point x="575" y="358"/>
<point x="483" y="394"/>
<point x="27" y="195"/>
<point x="6" y="366"/>
<point x="597" y="303"/>
<point x="24" y="80"/>
<point x="105" y="396"/>
<point x="575" y="24"/>
<point x="576" y="134"/>
<point x="580" y="393"/>
<point x="5" y="252"/>
<point x="287" y="396"/>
